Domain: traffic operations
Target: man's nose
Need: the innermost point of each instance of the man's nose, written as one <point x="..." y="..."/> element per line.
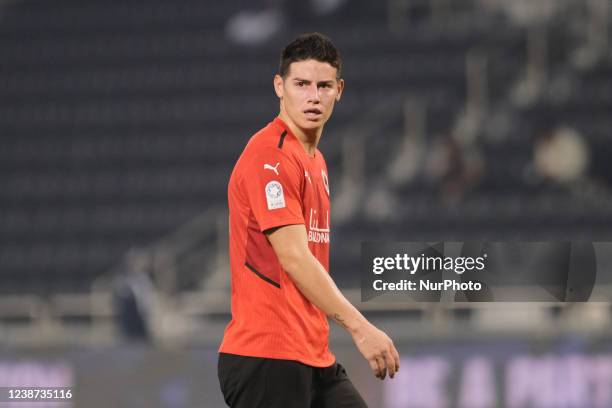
<point x="313" y="93"/>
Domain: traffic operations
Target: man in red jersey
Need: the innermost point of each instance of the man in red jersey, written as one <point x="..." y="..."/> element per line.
<point x="275" y="351"/>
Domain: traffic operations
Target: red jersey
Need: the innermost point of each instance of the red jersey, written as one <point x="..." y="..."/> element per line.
<point x="274" y="183"/>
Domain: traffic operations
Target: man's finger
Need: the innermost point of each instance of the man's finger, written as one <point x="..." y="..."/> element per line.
<point x="374" y="367"/>
<point x="396" y="357"/>
<point x="382" y="367"/>
<point x="379" y="367"/>
<point x="390" y="363"/>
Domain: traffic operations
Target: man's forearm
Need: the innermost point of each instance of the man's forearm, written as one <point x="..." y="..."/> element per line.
<point x="319" y="288"/>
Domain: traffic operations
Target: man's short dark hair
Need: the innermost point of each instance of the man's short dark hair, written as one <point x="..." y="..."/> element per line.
<point x="310" y="46"/>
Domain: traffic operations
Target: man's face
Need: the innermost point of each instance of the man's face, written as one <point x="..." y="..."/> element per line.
<point x="308" y="92"/>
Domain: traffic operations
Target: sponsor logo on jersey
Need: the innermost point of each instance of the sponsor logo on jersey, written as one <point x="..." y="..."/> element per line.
<point x="317" y="234"/>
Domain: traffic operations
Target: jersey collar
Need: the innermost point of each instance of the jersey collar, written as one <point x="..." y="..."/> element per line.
<point x="280" y="123"/>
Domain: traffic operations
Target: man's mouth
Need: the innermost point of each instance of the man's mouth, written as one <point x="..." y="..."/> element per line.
<point x="313" y="113"/>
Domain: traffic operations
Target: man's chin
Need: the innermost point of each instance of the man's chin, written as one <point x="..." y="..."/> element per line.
<point x="312" y="124"/>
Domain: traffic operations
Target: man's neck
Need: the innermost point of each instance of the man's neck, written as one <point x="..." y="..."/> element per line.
<point x="309" y="140"/>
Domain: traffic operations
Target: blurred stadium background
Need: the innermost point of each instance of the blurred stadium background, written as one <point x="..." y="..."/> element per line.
<point x="462" y="120"/>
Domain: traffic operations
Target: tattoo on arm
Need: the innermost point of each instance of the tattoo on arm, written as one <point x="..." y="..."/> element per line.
<point x="340" y="320"/>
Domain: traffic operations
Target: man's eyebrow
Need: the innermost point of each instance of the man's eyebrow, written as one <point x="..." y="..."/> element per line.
<point x="326" y="81"/>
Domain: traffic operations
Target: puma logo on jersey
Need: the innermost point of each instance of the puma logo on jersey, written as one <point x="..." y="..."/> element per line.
<point x="273" y="168"/>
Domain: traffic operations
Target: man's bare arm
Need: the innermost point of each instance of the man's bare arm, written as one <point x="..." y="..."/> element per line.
<point x="291" y="247"/>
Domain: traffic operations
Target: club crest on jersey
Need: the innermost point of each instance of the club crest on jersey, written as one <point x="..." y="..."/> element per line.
<point x="325" y="181"/>
<point x="274" y="195"/>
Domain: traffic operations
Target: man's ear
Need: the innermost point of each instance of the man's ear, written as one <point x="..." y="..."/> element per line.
<point x="278" y="86"/>
<point x="340" y="89"/>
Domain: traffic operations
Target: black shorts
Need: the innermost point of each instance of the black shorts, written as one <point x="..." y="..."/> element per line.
<point x="253" y="382"/>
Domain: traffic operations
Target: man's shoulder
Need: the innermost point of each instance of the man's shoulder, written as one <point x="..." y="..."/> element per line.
<point x="268" y="136"/>
<point x="269" y="141"/>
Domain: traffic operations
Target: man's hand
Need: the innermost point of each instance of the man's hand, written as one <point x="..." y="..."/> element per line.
<point x="378" y="349"/>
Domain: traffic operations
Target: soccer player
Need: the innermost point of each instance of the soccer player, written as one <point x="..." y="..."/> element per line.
<point x="275" y="351"/>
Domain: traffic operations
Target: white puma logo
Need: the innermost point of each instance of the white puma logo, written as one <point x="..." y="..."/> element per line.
<point x="268" y="167"/>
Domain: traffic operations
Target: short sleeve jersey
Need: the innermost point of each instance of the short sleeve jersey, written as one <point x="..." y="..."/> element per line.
<point x="276" y="183"/>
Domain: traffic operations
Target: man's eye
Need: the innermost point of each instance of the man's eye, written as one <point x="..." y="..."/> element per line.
<point x="300" y="83"/>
